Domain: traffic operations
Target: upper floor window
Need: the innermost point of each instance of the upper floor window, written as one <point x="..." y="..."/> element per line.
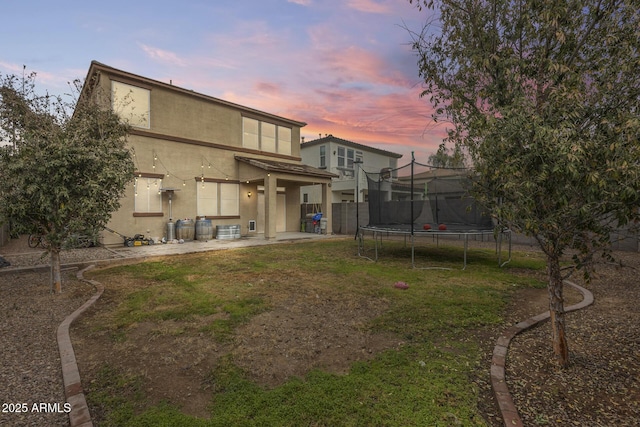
<point x="263" y="136"/>
<point x="268" y="140"/>
<point x="323" y="156"/>
<point x="346" y="157"/>
<point x="284" y="140"/>
<point x="350" y="158"/>
<point x="131" y="103"/>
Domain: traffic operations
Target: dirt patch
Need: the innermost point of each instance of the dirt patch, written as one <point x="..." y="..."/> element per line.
<point x="302" y="331"/>
<point x="308" y="331"/>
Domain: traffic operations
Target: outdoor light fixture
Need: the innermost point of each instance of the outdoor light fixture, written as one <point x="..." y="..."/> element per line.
<point x="249" y="194"/>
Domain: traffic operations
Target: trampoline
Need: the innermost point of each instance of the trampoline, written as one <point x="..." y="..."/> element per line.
<point x="417" y="201"/>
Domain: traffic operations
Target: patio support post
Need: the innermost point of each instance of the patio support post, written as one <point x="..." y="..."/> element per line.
<point x="326" y="206"/>
<point x="270" y="206"/>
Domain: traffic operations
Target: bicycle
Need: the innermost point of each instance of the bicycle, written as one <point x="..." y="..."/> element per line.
<point x="36" y="240"/>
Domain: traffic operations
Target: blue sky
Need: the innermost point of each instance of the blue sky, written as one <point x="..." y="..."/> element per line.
<point x="345" y="67"/>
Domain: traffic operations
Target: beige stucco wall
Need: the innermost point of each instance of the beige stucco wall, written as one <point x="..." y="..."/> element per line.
<point x="189" y="115"/>
<point x="193" y="118"/>
<point x="188" y="131"/>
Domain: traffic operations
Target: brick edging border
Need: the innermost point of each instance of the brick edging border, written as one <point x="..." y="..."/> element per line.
<point x="79" y="415"/>
<point x="507" y="408"/>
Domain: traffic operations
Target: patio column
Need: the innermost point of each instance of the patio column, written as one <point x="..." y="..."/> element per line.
<point x="326" y="206"/>
<point x="270" y="206"/>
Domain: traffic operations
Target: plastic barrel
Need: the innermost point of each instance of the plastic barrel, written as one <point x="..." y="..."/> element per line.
<point x="323" y="225"/>
<point x="185" y="229"/>
<point x="204" y="229"/>
<point x="227" y="232"/>
<point x="309" y="227"/>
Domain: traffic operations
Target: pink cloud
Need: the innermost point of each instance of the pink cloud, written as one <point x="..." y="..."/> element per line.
<point x="248" y="35"/>
<point x="324" y="36"/>
<point x="268" y="88"/>
<point x="163" y="56"/>
<point x="369" y="6"/>
<point x="350" y="63"/>
<point x="357" y="64"/>
<point x="398" y="122"/>
<point x="389" y="118"/>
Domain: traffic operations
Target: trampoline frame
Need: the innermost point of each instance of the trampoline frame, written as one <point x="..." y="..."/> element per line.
<point x="378" y="232"/>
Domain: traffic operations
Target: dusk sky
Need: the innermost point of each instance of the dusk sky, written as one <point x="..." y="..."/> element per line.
<point x="345" y="67"/>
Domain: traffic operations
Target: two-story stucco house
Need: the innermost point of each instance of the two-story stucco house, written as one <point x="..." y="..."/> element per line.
<point x="341" y="158"/>
<point x="198" y="156"/>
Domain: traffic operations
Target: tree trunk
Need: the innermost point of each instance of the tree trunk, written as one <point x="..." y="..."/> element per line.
<point x="56" y="278"/>
<point x="556" y="310"/>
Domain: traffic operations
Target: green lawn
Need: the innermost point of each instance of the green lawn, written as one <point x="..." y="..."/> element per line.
<point x="429" y="381"/>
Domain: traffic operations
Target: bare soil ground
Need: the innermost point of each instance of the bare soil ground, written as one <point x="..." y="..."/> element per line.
<point x="309" y="330"/>
<point x="305" y="330"/>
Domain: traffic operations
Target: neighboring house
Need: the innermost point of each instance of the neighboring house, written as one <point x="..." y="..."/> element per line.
<point x="341" y="157"/>
<point x="441" y="180"/>
<point x="198" y="156"/>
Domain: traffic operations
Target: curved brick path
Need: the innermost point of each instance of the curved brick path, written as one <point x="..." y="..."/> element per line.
<point x="507" y="408"/>
<point x="79" y="415"/>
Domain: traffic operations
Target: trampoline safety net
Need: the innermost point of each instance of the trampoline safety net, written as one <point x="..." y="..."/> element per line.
<point x="403" y="199"/>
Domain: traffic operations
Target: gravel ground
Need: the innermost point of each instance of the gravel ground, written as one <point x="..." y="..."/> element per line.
<point x="601" y="387"/>
<point x="20" y="258"/>
<point x="29" y="318"/>
<point x="31" y="372"/>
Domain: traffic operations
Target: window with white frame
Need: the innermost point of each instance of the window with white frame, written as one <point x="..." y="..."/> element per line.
<point x="250" y="133"/>
<point x="323" y="156"/>
<point x="264" y="136"/>
<point x="284" y="140"/>
<point x="218" y="199"/>
<point x="131" y="103"/>
<point x="346" y="157"/>
<point x="229" y="199"/>
<point x="341" y="157"/>
<point x="207" y="201"/>
<point x="148" y="198"/>
<point x="268" y="137"/>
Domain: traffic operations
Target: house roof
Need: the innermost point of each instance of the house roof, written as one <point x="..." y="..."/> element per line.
<point x="98" y="67"/>
<point x="284" y="167"/>
<point x="331" y="138"/>
<point x="435" y="173"/>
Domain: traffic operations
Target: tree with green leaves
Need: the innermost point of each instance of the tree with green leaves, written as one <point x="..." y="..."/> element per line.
<point x="443" y="158"/>
<point x="544" y="95"/>
<point x="63" y="166"/>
